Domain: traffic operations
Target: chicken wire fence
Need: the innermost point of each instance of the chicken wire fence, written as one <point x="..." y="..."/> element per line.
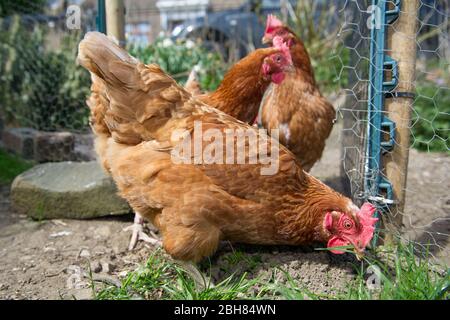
<point x="425" y="217"/>
<point x="41" y="87"/>
<point x="42" y="91"/>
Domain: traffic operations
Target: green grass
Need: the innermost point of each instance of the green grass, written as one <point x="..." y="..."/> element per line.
<point x="163" y="279"/>
<point x="402" y="274"/>
<point x="11" y="166"/>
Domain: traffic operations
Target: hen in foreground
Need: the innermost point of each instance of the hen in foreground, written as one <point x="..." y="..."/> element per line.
<point x="296" y="107"/>
<point x="239" y="95"/>
<point x="198" y="198"/>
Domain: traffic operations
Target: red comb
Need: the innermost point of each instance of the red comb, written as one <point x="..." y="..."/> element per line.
<point x="283" y="47"/>
<point x="272" y="23"/>
<point x="367" y="221"/>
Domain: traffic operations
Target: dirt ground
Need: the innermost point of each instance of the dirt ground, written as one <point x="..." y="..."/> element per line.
<point x="50" y="259"/>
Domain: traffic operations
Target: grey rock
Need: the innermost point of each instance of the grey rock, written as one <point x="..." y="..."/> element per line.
<point x="84" y="253"/>
<point x="53" y="146"/>
<point x="81" y="294"/>
<point x="107" y="267"/>
<point x="84" y="148"/>
<point x="66" y="190"/>
<point x="96" y="267"/>
<point x="20" y="141"/>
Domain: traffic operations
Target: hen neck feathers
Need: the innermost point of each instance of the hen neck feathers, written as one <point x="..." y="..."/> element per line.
<point x="243" y="87"/>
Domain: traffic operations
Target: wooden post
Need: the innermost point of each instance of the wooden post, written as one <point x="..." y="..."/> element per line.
<point x="115" y="20"/>
<point x="284" y="10"/>
<point x="403" y="49"/>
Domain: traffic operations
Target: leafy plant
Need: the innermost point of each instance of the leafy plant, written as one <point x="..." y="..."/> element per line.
<point x="178" y="58"/>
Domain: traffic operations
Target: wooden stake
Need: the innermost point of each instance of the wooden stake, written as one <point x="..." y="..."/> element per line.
<point x="115" y="20"/>
<point x="284" y="10"/>
<point x="402" y="41"/>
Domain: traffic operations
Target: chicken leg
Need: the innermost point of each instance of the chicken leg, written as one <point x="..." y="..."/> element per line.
<point x="139" y="234"/>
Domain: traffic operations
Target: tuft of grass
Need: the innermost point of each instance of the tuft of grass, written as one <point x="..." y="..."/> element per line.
<point x="237" y="256"/>
<point x="11" y="166"/>
<point x="147" y="282"/>
<point x="162" y="279"/>
<point x="400" y="275"/>
<point x="399" y="272"/>
<point x="228" y="289"/>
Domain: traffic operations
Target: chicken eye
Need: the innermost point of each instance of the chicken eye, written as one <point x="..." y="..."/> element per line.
<point x="348" y="224"/>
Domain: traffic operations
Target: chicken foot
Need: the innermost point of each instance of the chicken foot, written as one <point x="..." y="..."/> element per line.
<point x="138" y="233"/>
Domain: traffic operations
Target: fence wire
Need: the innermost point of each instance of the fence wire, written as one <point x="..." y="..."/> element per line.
<point x="426" y="215"/>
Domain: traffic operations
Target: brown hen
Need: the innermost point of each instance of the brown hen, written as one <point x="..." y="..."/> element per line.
<point x="196" y="205"/>
<point x="296" y="107"/>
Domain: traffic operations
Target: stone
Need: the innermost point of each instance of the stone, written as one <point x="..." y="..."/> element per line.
<point x="85" y="253"/>
<point x="71" y="190"/>
<point x="107" y="267"/>
<point x="53" y="146"/>
<point x="20" y="141"/>
<point x="82" y="294"/>
<point x="96" y="267"/>
<point x="84" y="148"/>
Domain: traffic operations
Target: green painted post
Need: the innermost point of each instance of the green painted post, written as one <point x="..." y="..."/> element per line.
<point x="101" y="16"/>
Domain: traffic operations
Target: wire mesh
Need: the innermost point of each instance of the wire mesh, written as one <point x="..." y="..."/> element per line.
<point x="42" y="90"/>
<point x="426" y="215"/>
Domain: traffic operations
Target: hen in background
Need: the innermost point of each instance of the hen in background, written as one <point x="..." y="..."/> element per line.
<point x="243" y="86"/>
<point x="296" y="107"/>
<point x="197" y="205"/>
<point x="239" y="94"/>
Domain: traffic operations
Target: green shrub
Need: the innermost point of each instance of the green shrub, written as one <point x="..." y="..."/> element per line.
<point x="178" y="59"/>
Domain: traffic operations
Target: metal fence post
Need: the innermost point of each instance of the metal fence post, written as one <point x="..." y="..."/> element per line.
<point x="380" y="129"/>
<point x="101" y="16"/>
